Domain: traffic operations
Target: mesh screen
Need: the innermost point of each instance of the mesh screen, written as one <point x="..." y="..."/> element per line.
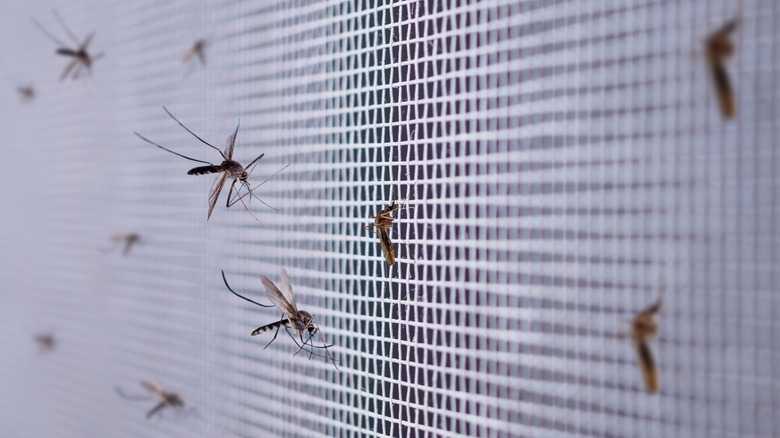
<point x="561" y="165"/>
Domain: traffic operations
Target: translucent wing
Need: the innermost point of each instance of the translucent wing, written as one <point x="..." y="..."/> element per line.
<point x="287" y="289"/>
<point x="723" y="90"/>
<point x="215" y="191"/>
<point x="387" y="245"/>
<point x="231" y="142"/>
<point x="276" y="297"/>
<point x="152" y="389"/>
<point x="69" y="68"/>
<point x="647" y="366"/>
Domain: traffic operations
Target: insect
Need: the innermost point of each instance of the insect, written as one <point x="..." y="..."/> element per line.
<point x="644" y="328"/>
<point x="719" y="47"/>
<point x="228" y="169"/>
<point x="46" y="342"/>
<point x="128" y="239"/>
<point x="383" y="221"/>
<point x="156" y="390"/>
<point x="297" y="320"/>
<point x="196" y="50"/>
<point x="80" y="56"/>
<point x="26" y="93"/>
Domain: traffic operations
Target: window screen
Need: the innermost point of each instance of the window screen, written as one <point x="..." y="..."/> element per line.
<point x="561" y="165"/>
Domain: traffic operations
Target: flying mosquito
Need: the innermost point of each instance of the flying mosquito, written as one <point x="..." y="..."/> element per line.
<point x="644" y="328"/>
<point x="26" y="93"/>
<point x="719" y="47"/>
<point x="297" y="320"/>
<point x="198" y="49"/>
<point x="128" y="239"/>
<point x="383" y="222"/>
<point x="46" y="342"/>
<point x="228" y="169"/>
<point x="155" y="390"/>
<point x="80" y="57"/>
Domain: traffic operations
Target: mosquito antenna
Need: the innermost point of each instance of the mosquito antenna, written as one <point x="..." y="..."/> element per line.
<point x="168" y="150"/>
<point x="46" y="32"/>
<point x="131" y="397"/>
<point x="193" y="134"/>
<point x="238" y="295"/>
<point x="311" y="352"/>
<point x="62" y="22"/>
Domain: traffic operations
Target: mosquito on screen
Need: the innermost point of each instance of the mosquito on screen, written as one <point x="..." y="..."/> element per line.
<point x="644" y="328"/>
<point x="156" y="390"/>
<point x="198" y="49"/>
<point x="26" y="93"/>
<point x="80" y="56"/>
<point x="128" y="239"/>
<point x="46" y="342"/>
<point x="383" y="223"/>
<point x="297" y="320"/>
<point x="228" y="169"/>
<point x="719" y="47"/>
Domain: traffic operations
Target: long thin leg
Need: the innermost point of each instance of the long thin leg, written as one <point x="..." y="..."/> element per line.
<point x="131" y="397"/>
<point x="67" y="31"/>
<point x="193" y="134"/>
<point x="46" y="32"/>
<point x="250" y="192"/>
<point x="168" y="150"/>
<point x="227" y="204"/>
<point x="276" y="333"/>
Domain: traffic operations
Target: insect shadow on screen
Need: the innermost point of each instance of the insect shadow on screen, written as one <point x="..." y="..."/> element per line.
<point x="294" y="320"/>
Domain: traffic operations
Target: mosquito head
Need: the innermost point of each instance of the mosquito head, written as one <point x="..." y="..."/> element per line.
<point x="244" y="176"/>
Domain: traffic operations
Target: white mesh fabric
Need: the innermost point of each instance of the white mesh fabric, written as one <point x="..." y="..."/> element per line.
<point x="561" y="165"/>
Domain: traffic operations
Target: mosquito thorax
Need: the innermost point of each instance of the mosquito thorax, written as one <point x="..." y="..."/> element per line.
<point x="302" y="322"/>
<point x="232" y="168"/>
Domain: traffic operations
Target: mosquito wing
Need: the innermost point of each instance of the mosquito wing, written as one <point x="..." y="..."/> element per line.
<point x="86" y="42"/>
<point x="276" y="297"/>
<point x="387" y="245"/>
<point x="287" y="289"/>
<point x="155" y="409"/>
<point x="215" y="191"/>
<point x="723" y="90"/>
<point x="647" y="366"/>
<point x="67" y="70"/>
<point x="231" y="142"/>
<point x="152" y="389"/>
<point x="652" y="310"/>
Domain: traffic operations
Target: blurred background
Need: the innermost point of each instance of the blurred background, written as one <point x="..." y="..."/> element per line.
<point x="562" y="165"/>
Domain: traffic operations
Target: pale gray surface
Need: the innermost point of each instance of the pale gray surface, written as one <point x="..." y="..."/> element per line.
<point x="566" y="163"/>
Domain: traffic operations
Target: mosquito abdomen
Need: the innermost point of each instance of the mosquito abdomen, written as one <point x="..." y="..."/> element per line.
<point x="271" y="326"/>
<point x="204" y="170"/>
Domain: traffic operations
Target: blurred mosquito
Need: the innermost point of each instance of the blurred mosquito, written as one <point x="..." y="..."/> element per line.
<point x="156" y="390"/>
<point x="46" y="342"/>
<point x="719" y="47"/>
<point x="128" y="239"/>
<point x="26" y="93"/>
<point x="81" y="58"/>
<point x="644" y="328"/>
<point x="228" y="169"/>
<point x="297" y="320"/>
<point x="198" y="49"/>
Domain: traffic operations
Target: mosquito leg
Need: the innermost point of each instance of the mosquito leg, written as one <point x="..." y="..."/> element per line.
<point x="275" y="333"/>
<point x="232" y="186"/>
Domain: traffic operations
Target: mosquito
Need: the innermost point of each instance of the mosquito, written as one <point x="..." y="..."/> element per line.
<point x="298" y="320"/>
<point x="128" y="239"/>
<point x="46" y="342"/>
<point x="719" y="47"/>
<point x="196" y="50"/>
<point x="383" y="222"/>
<point x="644" y="328"/>
<point x="156" y="390"/>
<point x="26" y="93"/>
<point x="228" y="169"/>
<point x="312" y="330"/>
<point x="80" y="56"/>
